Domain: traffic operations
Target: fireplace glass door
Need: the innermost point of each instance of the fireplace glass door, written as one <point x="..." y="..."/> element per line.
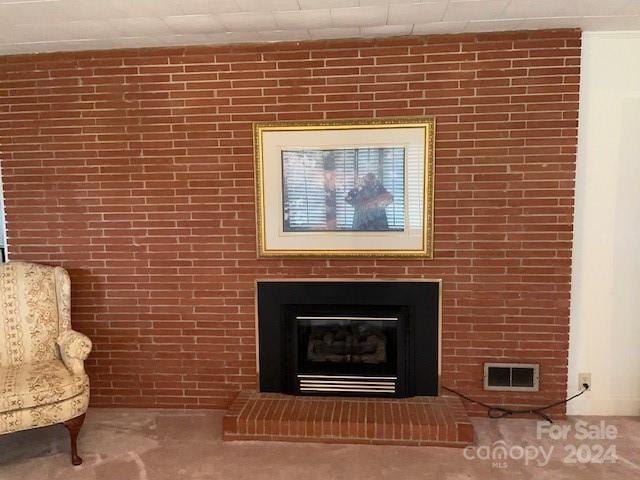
<point x="347" y="353"/>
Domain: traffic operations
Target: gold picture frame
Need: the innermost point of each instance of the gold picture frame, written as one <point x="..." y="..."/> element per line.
<point x="347" y="188"/>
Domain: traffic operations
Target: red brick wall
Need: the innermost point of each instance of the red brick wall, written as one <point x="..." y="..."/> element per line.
<point x="134" y="170"/>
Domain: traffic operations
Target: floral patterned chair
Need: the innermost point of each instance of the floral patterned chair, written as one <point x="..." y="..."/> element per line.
<point x="42" y="377"/>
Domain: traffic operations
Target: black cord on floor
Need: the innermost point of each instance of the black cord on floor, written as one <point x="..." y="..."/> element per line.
<point x="494" y="411"/>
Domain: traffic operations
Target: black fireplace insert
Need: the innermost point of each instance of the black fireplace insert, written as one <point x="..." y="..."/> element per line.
<point x="364" y="338"/>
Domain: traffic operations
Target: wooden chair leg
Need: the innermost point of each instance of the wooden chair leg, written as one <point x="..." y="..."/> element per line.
<point x="74" y="425"/>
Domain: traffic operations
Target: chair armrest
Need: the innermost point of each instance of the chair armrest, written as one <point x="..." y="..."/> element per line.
<point x="74" y="350"/>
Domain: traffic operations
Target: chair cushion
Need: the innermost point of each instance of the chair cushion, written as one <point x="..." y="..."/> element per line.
<point x="42" y="383"/>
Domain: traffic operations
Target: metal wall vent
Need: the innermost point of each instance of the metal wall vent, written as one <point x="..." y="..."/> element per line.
<point x="519" y="377"/>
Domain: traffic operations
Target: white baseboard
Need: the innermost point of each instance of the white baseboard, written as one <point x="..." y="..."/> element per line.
<point x="593" y="404"/>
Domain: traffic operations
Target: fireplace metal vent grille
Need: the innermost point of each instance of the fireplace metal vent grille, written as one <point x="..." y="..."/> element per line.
<point x="347" y="383"/>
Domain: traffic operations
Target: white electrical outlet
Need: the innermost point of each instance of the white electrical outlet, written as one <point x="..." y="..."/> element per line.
<point x="584" y="378"/>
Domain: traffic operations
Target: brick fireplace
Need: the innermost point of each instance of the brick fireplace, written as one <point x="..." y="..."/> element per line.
<point x="359" y="362"/>
<point x="134" y="170"/>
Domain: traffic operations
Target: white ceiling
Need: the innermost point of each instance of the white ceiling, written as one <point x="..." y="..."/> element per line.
<point x="60" y="25"/>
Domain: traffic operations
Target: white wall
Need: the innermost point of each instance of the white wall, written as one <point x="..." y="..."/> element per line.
<point x="605" y="306"/>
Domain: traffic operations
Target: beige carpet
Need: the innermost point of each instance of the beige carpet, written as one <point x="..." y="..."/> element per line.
<point x="127" y="444"/>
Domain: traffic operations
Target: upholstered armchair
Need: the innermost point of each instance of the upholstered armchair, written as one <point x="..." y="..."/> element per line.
<point x="42" y="377"/>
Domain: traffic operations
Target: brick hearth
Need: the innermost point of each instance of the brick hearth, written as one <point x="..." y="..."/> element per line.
<point x="418" y="421"/>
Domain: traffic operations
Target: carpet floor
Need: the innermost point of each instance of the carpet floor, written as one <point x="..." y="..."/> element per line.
<point x="136" y="444"/>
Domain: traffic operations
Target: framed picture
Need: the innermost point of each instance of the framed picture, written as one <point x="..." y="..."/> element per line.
<point x="361" y="188"/>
